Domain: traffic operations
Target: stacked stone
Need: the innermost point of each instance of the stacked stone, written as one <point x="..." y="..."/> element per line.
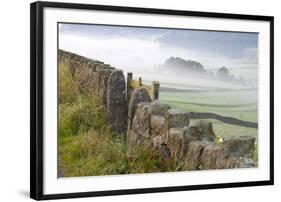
<point x="95" y="76"/>
<point x="167" y="131"/>
<point x="91" y="74"/>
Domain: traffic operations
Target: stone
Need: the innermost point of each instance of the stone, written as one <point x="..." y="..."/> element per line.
<point x="176" y="118"/>
<point x="192" y="134"/>
<point x="141" y="121"/>
<point x="116" y="102"/>
<point x="103" y="82"/>
<point x="159" y="108"/>
<point x="174" y="141"/>
<point x="213" y="157"/>
<point x="205" y="129"/>
<point x="241" y="146"/>
<point x="157" y="124"/>
<point x="200" y="131"/>
<point x="193" y="155"/>
<point x="140" y="134"/>
<point x="157" y="142"/>
<point x="244" y="162"/>
<point x="159" y="146"/>
<point x="137" y="96"/>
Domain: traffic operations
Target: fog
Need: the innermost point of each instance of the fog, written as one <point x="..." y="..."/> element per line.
<point x="142" y="51"/>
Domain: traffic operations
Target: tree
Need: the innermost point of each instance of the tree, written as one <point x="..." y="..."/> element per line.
<point x="223" y="73"/>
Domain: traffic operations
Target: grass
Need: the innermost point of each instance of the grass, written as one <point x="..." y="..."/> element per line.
<point x="238" y="104"/>
<point x="87" y="145"/>
<point x="97" y="152"/>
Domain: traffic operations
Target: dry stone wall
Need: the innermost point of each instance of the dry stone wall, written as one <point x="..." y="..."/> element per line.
<point x="106" y="82"/>
<point x="168" y="132"/>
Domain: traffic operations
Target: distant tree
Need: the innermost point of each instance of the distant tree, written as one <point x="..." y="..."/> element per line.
<point x="232" y="78"/>
<point x="210" y="74"/>
<point x="223" y="73"/>
<point x="180" y="66"/>
<point x="184" y="66"/>
<point x="241" y="80"/>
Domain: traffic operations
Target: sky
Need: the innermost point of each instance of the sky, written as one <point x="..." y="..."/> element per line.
<point x="140" y="49"/>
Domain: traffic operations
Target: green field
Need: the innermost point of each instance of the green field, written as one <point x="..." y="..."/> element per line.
<point x="237" y="104"/>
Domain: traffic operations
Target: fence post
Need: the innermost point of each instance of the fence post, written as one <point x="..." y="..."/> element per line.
<point x="140" y="82"/>
<point x="155" y="90"/>
<point x="129" y="88"/>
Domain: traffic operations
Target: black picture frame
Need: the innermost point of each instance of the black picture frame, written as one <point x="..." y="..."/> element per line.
<point x="37" y="99"/>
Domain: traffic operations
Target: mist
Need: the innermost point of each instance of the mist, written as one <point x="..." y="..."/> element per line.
<point x="143" y="50"/>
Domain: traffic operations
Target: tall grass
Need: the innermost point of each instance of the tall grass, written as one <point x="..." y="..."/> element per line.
<point x="87" y="145"/>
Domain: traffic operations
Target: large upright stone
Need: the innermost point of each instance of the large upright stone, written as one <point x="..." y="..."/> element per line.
<point x="139" y="95"/>
<point x="116" y="101"/>
<point x="140" y="133"/>
<point x="103" y="83"/>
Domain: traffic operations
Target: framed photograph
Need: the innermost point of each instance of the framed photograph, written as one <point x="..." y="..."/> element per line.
<point x="129" y="100"/>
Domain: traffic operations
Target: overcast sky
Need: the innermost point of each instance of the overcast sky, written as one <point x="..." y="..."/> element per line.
<point x="132" y="48"/>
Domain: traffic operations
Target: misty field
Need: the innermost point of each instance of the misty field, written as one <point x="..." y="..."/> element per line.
<point x="237" y="104"/>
